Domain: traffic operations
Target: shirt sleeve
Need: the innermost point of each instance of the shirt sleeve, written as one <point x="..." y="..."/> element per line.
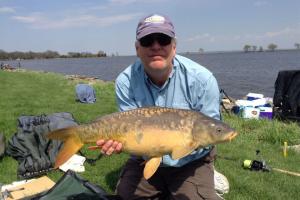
<point x="124" y="95"/>
<point x="210" y="99"/>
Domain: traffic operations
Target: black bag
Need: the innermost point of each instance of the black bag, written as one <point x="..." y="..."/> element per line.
<point x="287" y="96"/>
<point x="34" y="152"/>
<point x="72" y="187"/>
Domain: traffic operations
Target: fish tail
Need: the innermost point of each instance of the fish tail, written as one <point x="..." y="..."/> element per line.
<point x="72" y="144"/>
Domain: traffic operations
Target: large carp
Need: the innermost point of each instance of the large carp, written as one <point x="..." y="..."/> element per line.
<point x="151" y="132"/>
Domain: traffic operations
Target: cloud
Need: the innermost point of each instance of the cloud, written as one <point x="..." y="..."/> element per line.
<point x="7" y="10"/>
<point x="126" y="2"/>
<point x="39" y="21"/>
<point x="78" y="16"/>
<point x="260" y="3"/>
<point x="81" y="16"/>
<point x="123" y="1"/>
<point x="205" y="36"/>
<point x="25" y="19"/>
<point x="287" y="32"/>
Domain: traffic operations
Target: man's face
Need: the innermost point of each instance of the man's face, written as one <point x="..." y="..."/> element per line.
<point x="156" y="52"/>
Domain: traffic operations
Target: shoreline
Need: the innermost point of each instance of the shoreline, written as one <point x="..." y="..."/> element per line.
<point x="180" y="53"/>
<point x="73" y="77"/>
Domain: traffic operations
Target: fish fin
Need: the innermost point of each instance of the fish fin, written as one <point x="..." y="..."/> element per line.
<point x="72" y="144"/>
<point x="180" y="152"/>
<point x="70" y="147"/>
<point x="151" y="167"/>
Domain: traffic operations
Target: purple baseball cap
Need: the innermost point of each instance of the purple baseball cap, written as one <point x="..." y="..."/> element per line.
<point x="155" y="23"/>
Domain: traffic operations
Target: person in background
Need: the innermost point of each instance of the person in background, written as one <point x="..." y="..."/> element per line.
<point x="160" y="77"/>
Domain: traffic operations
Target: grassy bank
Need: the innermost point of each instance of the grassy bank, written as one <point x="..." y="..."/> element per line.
<point x="32" y="93"/>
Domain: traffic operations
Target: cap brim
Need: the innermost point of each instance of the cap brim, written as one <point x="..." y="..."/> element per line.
<point x="152" y="30"/>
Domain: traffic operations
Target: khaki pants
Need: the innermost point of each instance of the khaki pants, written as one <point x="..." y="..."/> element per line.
<point x="190" y="182"/>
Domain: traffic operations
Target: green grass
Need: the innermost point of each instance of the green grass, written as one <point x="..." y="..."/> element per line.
<point x="33" y="93"/>
<point x="266" y="136"/>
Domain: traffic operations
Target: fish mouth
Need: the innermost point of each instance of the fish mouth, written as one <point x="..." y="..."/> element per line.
<point x="232" y="135"/>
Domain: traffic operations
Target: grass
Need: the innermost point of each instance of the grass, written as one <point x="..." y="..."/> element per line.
<point x="267" y="137"/>
<point x="33" y="93"/>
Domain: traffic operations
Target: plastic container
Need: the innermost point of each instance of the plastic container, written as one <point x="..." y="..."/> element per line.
<point x="253" y="96"/>
<point x="250" y="112"/>
<point x="266" y="112"/>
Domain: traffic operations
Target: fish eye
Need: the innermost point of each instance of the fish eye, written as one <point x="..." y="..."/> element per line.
<point x="219" y="130"/>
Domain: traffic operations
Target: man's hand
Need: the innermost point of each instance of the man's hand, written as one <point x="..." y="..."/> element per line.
<point x="109" y="147"/>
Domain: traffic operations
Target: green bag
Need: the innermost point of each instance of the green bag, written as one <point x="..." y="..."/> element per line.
<point x="34" y="152"/>
<point x="72" y="187"/>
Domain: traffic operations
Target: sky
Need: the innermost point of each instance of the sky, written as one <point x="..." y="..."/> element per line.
<point x="109" y="25"/>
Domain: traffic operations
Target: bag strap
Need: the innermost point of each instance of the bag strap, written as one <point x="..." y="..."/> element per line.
<point x="91" y="161"/>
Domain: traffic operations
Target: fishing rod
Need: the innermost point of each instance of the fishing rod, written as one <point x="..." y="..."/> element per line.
<point x="259" y="165"/>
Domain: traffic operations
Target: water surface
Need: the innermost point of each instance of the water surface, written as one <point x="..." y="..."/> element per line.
<point x="238" y="73"/>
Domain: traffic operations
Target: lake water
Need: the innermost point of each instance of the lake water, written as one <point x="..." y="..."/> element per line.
<point x="238" y="73"/>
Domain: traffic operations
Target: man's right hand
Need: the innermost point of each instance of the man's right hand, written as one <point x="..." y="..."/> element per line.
<point x="109" y="147"/>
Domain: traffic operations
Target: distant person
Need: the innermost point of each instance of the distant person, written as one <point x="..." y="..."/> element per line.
<point x="162" y="78"/>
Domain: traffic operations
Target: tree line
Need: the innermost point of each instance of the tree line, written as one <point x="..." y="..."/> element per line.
<point x="47" y="54"/>
<point x="254" y="48"/>
<point x="271" y="47"/>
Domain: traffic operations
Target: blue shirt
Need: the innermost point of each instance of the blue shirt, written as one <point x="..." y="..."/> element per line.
<point x="189" y="86"/>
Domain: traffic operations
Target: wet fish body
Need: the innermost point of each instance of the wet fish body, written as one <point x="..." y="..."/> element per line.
<point x="151" y="132"/>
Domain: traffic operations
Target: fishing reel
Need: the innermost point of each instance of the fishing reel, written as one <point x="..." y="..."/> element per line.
<point x="256" y="165"/>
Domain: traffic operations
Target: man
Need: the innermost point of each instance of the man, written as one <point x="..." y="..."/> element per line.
<point x="161" y="78"/>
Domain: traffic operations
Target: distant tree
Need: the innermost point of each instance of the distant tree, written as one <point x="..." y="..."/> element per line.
<point x="101" y="54"/>
<point x="254" y="48"/>
<point x="63" y="56"/>
<point x="74" y="54"/>
<point x="260" y="49"/>
<point x="51" y="54"/>
<point x="47" y="54"/>
<point x="247" y="48"/>
<point x="86" y="55"/>
<point x="272" y="47"/>
<point x="3" y="55"/>
<point x="16" y="54"/>
<point x="297" y="45"/>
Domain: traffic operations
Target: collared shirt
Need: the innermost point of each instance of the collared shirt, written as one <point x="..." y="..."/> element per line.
<point x="189" y="86"/>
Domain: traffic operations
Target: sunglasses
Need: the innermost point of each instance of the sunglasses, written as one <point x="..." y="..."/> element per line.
<point x="162" y="39"/>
